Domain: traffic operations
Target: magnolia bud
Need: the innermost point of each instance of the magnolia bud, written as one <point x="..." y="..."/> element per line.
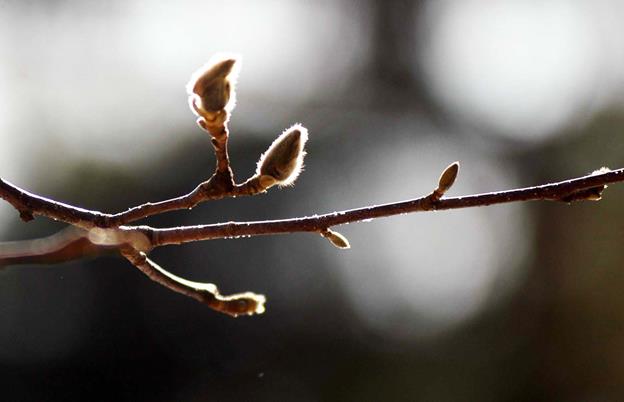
<point x="447" y="178"/>
<point x="211" y="87"/>
<point x="336" y="238"/>
<point x="283" y="161"/>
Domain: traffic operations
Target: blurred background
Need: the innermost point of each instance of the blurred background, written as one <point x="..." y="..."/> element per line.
<point x="518" y="302"/>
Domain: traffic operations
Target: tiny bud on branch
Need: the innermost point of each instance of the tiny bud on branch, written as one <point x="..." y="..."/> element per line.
<point x="336" y="238"/>
<point x="447" y="179"/>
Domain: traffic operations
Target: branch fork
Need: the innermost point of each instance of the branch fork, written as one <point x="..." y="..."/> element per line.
<point x="212" y="99"/>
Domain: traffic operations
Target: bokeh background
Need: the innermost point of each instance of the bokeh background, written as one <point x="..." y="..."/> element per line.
<point x="518" y="302"/>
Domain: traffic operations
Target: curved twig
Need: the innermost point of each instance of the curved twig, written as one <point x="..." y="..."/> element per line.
<point x="234" y="305"/>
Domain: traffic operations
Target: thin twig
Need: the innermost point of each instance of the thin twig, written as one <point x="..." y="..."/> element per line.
<point x="582" y="188"/>
<point x="238" y="304"/>
<point x="29" y="204"/>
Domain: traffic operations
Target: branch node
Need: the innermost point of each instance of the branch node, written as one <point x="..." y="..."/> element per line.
<point x="26" y="215"/>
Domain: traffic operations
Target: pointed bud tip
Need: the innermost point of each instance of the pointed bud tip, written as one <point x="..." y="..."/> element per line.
<point x="220" y="65"/>
<point x="447" y="178"/>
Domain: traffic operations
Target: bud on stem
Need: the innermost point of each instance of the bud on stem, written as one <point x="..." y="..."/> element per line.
<point x="211" y="90"/>
<point x="336" y="238"/>
<point x="282" y="163"/>
<point x="447" y="179"/>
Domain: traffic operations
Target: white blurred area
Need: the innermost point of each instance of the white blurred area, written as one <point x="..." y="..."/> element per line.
<point x="105" y="81"/>
<point x="525" y="69"/>
<point x="417" y="275"/>
<point x="91" y="78"/>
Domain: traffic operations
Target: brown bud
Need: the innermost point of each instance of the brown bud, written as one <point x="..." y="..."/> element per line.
<point x="447" y="178"/>
<point x="336" y="239"/>
<point x="283" y="161"/>
<point x="211" y="87"/>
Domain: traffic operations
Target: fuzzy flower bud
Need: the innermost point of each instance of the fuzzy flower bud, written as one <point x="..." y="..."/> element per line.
<point x="211" y="87"/>
<point x="283" y="161"/>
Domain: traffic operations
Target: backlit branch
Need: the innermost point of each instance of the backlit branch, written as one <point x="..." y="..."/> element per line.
<point x="583" y="188"/>
<point x="238" y="304"/>
<point x="211" y="98"/>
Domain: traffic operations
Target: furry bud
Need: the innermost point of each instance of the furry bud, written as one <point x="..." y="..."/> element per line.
<point x="211" y="87"/>
<point x="283" y="161"/>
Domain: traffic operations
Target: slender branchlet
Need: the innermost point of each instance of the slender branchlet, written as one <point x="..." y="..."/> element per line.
<point x="247" y="303"/>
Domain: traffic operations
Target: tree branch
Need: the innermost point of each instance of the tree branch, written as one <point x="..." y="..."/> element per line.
<point x="211" y="98"/>
<point x="217" y="187"/>
<point x="583" y="188"/>
<point x="234" y="305"/>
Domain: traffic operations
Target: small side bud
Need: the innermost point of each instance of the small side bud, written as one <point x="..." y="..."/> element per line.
<point x="447" y="178"/>
<point x="211" y="87"/>
<point x="282" y="163"/>
<point x="336" y="238"/>
<point x="588" y="194"/>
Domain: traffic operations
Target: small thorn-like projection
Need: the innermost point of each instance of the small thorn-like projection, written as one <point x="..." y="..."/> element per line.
<point x="447" y="179"/>
<point x="336" y="238"/>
